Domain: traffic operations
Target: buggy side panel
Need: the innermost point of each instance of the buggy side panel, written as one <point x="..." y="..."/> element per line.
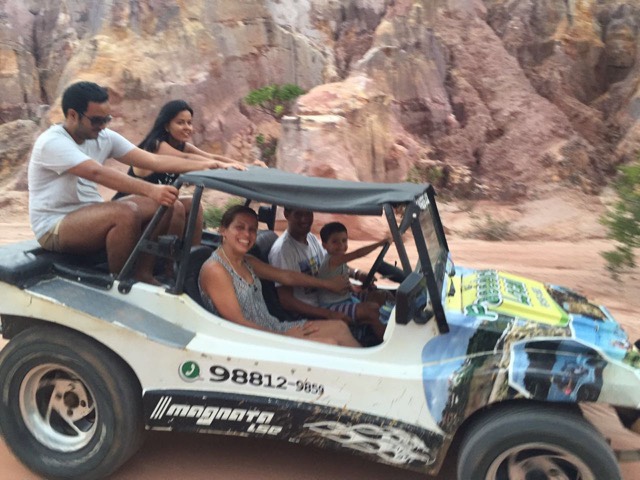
<point x="381" y="439"/>
<point x="110" y="309"/>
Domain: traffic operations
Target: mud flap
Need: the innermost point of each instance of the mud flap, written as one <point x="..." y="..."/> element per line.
<point x="634" y="454"/>
<point x="627" y="455"/>
<point x="619" y="425"/>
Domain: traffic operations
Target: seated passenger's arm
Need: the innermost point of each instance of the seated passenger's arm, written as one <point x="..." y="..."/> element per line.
<point x="164" y="163"/>
<point x="192" y="153"/>
<point x="119" y="181"/>
<point x="292" y="278"/>
<point x="339" y="259"/>
<point x="217" y="283"/>
<point x="292" y="304"/>
<point x="190" y="148"/>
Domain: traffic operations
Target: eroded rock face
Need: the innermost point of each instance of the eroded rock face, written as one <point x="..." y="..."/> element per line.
<point x="148" y="52"/>
<point x="19" y="86"/>
<point x="342" y="131"/>
<point x="502" y="111"/>
<point x="485" y="98"/>
<point x="17" y="139"/>
<point x="408" y="62"/>
<point x="582" y="56"/>
<point x="620" y="35"/>
<point x="464" y="113"/>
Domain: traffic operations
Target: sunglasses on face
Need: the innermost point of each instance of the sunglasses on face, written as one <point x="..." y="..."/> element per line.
<point x="98" y="121"/>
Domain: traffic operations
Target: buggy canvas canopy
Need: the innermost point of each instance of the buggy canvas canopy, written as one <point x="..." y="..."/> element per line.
<point x="269" y="185"/>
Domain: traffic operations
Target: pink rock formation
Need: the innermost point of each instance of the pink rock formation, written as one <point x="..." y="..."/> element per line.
<point x="493" y="98"/>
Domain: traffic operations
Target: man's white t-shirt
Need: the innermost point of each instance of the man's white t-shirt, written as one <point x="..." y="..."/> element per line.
<point x="53" y="192"/>
<point x="289" y="254"/>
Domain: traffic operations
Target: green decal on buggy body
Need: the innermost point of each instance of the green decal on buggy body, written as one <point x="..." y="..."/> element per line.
<point x="486" y="291"/>
<point x="480" y="312"/>
<point x="189" y="371"/>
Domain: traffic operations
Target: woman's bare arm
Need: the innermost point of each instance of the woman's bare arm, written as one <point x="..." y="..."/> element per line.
<point x="190" y="148"/>
<point x="193" y="153"/>
<point x="296" y="279"/>
<point x="165" y="149"/>
<point x="193" y="150"/>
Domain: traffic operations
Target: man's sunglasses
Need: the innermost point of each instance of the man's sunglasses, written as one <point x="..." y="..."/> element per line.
<point x="98" y="121"/>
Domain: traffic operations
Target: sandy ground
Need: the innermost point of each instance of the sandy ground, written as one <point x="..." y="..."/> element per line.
<point x="556" y="240"/>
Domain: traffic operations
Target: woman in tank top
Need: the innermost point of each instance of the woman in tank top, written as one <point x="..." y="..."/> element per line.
<point x="170" y="135"/>
<point x="230" y="285"/>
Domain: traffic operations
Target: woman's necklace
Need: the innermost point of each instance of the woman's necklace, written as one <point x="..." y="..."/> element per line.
<point x="226" y="258"/>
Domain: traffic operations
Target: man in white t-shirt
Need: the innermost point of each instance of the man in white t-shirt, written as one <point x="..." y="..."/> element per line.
<point x="298" y="249"/>
<point x="66" y="211"/>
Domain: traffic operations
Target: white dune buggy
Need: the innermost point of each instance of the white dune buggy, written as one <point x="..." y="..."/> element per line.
<point x="481" y="364"/>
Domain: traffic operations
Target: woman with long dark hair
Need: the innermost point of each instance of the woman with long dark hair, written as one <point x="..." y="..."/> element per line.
<point x="170" y="135"/>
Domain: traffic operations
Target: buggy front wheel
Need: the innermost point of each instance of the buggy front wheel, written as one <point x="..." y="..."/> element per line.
<point x="531" y="441"/>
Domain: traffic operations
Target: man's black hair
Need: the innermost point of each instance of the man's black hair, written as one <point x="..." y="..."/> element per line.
<point x="331" y="228"/>
<point x="78" y="96"/>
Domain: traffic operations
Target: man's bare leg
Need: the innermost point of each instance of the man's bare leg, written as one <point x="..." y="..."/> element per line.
<point x="178" y="222"/>
<point x="174" y="216"/>
<point x="115" y="226"/>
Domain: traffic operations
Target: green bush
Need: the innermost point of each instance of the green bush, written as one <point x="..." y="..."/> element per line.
<point x="213" y="215"/>
<point x="268" y="147"/>
<point x="623" y="221"/>
<point x="435" y="174"/>
<point x="275" y="100"/>
<point x="492" y="229"/>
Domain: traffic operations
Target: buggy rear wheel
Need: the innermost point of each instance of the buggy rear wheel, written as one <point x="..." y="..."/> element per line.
<point x="70" y="408"/>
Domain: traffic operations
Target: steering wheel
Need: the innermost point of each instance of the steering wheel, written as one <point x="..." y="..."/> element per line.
<point x="376" y="265"/>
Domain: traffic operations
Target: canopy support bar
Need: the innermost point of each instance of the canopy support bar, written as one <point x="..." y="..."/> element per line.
<point x="397" y="239"/>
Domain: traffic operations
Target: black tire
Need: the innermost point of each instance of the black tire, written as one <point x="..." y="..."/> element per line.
<point x="536" y="438"/>
<point x="95" y="404"/>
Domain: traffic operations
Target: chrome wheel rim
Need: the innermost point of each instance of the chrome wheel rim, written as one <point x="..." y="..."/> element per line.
<point x="538" y="461"/>
<point x="58" y="408"/>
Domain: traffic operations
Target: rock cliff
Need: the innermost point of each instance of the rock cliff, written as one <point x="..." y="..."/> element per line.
<point x="496" y="99"/>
